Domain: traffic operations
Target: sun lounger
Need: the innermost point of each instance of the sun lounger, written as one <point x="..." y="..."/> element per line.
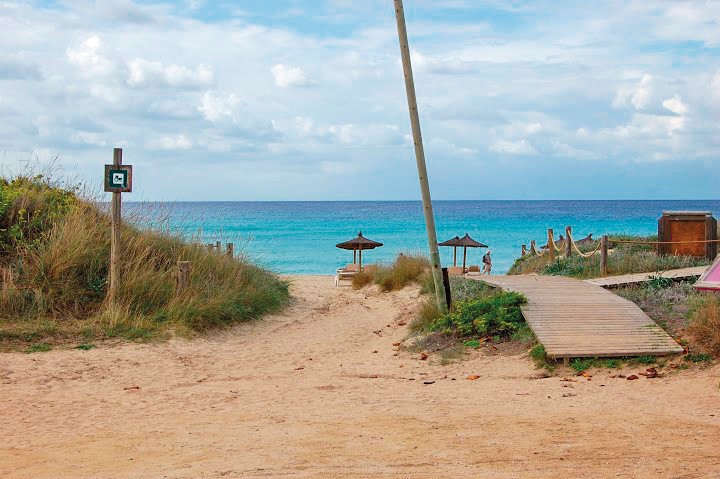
<point x="455" y="270"/>
<point x="473" y="269"/>
<point x="346" y="273"/>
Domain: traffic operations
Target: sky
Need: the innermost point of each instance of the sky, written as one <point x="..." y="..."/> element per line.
<point x="305" y="100"/>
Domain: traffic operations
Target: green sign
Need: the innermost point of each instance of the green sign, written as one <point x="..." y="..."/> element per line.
<point x="118" y="178"/>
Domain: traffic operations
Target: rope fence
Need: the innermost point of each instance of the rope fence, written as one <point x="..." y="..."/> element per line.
<point x="567" y="245"/>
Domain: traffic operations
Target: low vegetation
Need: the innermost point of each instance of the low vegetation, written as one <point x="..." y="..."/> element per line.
<point x="54" y="254"/>
<point x="481" y="314"/>
<point x="704" y="324"/>
<point x="406" y="269"/>
<point x="622" y="259"/>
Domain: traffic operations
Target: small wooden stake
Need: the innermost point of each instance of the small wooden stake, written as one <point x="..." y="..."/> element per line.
<point x="218" y="246"/>
<point x="230" y="250"/>
<point x="183" y="275"/>
<point x="568" y="241"/>
<point x="524" y="250"/>
<point x="603" y="255"/>
<point x="116" y="221"/>
<point x="551" y="244"/>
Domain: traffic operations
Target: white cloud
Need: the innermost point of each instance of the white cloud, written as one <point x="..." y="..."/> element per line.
<point x="638" y="96"/>
<point x="675" y="105"/>
<point x="217" y="105"/>
<point x="288" y="76"/>
<point x="87" y="56"/>
<point x="176" y="142"/>
<point x="142" y="72"/>
<point x="506" y="147"/>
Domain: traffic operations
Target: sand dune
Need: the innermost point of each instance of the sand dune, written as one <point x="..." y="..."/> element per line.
<point x="319" y="392"/>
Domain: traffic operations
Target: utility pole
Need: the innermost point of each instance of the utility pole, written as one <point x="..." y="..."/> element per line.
<point x="420" y="157"/>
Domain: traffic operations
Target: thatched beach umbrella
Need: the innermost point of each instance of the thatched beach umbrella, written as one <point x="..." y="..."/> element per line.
<point x="465" y="242"/>
<point x="358" y="245"/>
<point x="454" y="242"/>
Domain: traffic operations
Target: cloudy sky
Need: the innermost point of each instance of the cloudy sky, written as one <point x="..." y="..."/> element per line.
<point x="289" y="99"/>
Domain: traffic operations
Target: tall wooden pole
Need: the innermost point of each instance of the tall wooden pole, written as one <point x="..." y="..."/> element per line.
<point x="420" y="156"/>
<point x="116" y="220"/>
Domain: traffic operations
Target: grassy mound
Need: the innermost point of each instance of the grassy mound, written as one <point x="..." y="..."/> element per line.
<point x="623" y="259"/>
<point x="54" y="255"/>
<point x="404" y="270"/>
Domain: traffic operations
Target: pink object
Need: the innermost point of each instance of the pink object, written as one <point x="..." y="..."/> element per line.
<point x="710" y="280"/>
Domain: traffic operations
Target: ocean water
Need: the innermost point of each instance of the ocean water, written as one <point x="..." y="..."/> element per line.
<point x="300" y="237"/>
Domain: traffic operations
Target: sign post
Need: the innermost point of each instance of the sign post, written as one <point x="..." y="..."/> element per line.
<point x="118" y="180"/>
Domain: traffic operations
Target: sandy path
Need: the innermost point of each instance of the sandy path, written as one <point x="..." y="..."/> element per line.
<point x="238" y="405"/>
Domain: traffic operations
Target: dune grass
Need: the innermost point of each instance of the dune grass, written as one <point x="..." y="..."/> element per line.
<point x="406" y="269"/>
<point x="623" y="259"/>
<point x="704" y="325"/>
<point x="58" y="253"/>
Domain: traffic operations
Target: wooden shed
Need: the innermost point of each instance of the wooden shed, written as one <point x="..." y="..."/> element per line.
<point x="686" y="226"/>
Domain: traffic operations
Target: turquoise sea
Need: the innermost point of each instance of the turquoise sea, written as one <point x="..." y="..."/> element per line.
<point x="300" y="237"/>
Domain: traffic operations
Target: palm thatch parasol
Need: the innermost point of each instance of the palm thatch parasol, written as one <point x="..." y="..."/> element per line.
<point x="358" y="245"/>
<point x="465" y="242"/>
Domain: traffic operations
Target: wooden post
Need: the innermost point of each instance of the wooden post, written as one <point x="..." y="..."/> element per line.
<point x="230" y="250"/>
<point x="533" y="248"/>
<point x="420" y="155"/>
<point x="551" y="244"/>
<point x="115" y="226"/>
<point x="603" y="255"/>
<point x="446" y="283"/>
<point x="218" y="246"/>
<point x="183" y="275"/>
<point x="568" y="241"/>
<point x="523" y="252"/>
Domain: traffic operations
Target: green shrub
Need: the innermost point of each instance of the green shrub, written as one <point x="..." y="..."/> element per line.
<point x="495" y="315"/>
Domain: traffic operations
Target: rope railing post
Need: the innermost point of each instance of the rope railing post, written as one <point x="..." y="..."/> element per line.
<point x="523" y="252"/>
<point x="533" y="248"/>
<point x="603" y="255"/>
<point x="568" y="241"/>
<point x="551" y="244"/>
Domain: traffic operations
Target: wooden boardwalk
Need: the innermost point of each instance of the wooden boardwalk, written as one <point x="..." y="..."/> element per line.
<point x="573" y="318"/>
<point x="628" y="279"/>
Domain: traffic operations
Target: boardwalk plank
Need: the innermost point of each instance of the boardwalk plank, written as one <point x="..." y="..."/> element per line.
<point x="573" y="318"/>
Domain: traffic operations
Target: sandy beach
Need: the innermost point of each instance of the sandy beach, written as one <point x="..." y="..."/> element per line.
<point x="320" y="391"/>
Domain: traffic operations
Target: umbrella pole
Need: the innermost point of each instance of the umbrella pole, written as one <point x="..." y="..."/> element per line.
<point x="420" y="157"/>
<point x="354" y="256"/>
<point x="454" y="255"/>
<point x="464" y="257"/>
<point x="360" y="266"/>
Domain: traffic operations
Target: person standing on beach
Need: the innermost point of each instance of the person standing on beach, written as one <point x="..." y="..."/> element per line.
<point x="487" y="264"/>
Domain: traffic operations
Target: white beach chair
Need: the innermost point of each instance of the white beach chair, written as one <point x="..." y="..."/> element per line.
<point x="346" y="273"/>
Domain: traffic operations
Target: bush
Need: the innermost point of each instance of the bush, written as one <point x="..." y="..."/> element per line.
<point x="495" y="315"/>
<point x="704" y="324"/>
<point x="28" y="206"/>
<point x="362" y="279"/>
<point x="60" y="265"/>
<point x="406" y="269"/>
<point x="427" y="314"/>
